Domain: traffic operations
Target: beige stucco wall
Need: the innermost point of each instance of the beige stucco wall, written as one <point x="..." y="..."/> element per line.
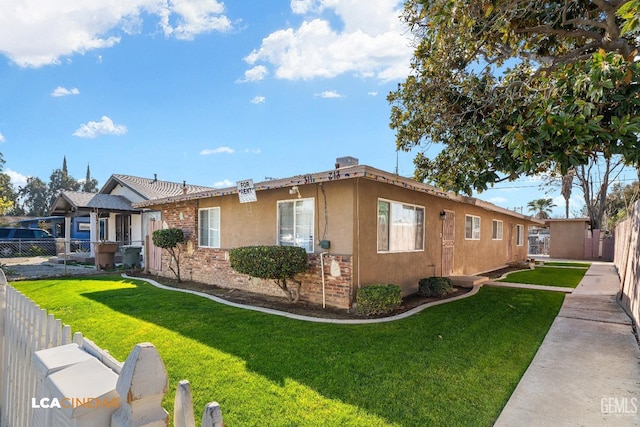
<point x="256" y="223"/>
<point x="406" y="268"/>
<point x="567" y="238"/>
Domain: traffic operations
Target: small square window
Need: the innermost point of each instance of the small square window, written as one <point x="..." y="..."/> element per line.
<point x="472" y="227"/>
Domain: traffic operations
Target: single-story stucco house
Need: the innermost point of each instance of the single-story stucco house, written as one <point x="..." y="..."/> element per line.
<point x="113" y="218"/>
<point x="359" y="225"/>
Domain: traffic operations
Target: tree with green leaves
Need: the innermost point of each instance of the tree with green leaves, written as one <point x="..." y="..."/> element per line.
<point x="7" y="193"/>
<point x="620" y="202"/>
<point x="90" y="185"/>
<point x="35" y="197"/>
<point x="541" y="207"/>
<point x="60" y="180"/>
<point x="510" y="88"/>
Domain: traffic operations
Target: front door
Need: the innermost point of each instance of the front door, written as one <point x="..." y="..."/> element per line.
<point x="448" y="240"/>
<point x="123" y="229"/>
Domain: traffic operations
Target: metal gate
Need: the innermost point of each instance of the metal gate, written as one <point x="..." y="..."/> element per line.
<point x="448" y="241"/>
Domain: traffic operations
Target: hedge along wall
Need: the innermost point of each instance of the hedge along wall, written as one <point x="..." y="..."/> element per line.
<point x="627" y="262"/>
<point x="211" y="266"/>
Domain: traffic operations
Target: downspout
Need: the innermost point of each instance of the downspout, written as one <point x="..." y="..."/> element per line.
<point x="358" y="228"/>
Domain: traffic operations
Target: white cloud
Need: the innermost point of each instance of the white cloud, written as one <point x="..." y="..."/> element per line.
<point x="371" y="43"/>
<point x="2" y="138"/>
<point x="302" y="7"/>
<point x="254" y="74"/>
<point x="17" y="179"/>
<point x="62" y="91"/>
<point x="39" y="32"/>
<point x="258" y="100"/>
<point x="328" y="94"/>
<point x="372" y="93"/>
<point x="223" y="184"/>
<point x="498" y="199"/>
<point x="104" y="127"/>
<point x="253" y="151"/>
<point x="218" y="150"/>
<point x="194" y="17"/>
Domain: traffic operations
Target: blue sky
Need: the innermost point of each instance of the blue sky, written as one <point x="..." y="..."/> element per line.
<point x="204" y="91"/>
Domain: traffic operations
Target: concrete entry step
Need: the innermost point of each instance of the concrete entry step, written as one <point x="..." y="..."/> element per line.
<point x="467" y="281"/>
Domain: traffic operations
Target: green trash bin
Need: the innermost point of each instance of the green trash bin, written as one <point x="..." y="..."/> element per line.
<point x="130" y="256"/>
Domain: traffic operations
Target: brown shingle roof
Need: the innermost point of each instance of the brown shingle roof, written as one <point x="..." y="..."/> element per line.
<point x="69" y="201"/>
<point x="150" y="188"/>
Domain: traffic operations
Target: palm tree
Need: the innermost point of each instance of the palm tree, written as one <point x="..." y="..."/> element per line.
<point x="541" y="207"/>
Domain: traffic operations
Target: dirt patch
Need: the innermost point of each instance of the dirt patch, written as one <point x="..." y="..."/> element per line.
<point x="40" y="268"/>
<point x="303" y="308"/>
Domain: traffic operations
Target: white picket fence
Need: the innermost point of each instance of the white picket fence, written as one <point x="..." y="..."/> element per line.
<point x="39" y="359"/>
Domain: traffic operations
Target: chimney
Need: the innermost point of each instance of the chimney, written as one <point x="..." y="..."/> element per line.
<point x="155" y="178"/>
<point x="342" y="162"/>
<point x="184" y="187"/>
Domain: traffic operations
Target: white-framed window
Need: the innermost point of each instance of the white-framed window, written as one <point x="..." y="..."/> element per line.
<point x="209" y="227"/>
<point x="519" y="235"/>
<point x="400" y="227"/>
<point x="295" y="223"/>
<point x="471" y="227"/>
<point x="497" y="230"/>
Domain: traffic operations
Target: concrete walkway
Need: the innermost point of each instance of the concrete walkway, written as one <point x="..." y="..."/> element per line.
<point x="587" y="370"/>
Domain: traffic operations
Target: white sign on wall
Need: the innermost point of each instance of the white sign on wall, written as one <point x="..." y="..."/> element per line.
<point x="246" y="191"/>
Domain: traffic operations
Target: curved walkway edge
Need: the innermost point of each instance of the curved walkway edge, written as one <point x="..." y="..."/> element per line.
<point x="308" y="318"/>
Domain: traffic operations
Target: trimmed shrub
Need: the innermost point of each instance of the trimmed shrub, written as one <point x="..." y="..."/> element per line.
<point x="279" y="263"/>
<point x="378" y="299"/>
<point x="169" y="239"/>
<point x="434" y="287"/>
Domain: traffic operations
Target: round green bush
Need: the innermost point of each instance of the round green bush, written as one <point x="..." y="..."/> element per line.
<point x="378" y="299"/>
<point x="434" y="287"/>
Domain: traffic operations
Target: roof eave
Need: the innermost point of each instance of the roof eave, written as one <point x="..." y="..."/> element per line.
<point x="347" y="172"/>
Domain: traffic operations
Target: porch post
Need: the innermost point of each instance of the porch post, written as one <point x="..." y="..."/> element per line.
<point x="67" y="235"/>
<point x="93" y="232"/>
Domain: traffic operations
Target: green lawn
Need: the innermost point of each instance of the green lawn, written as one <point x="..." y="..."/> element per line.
<point x="454" y="364"/>
<point x="549" y="276"/>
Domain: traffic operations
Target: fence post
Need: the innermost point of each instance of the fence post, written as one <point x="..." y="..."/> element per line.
<point x="212" y="416"/>
<point x="142" y="384"/>
<point x="183" y="406"/>
<point x="3" y="310"/>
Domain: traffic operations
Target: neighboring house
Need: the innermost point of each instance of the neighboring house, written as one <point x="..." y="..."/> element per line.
<point x="573" y="239"/>
<point x="113" y="218"/>
<point x="360" y="226"/>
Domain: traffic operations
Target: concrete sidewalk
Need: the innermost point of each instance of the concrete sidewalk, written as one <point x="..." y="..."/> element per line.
<point x="587" y="370"/>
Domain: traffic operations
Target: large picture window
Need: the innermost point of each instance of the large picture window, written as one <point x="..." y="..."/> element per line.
<point x="472" y="227"/>
<point x="400" y="227"/>
<point x="209" y="228"/>
<point x="295" y="223"/>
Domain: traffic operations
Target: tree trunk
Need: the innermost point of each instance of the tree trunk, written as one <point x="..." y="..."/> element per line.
<point x="567" y="185"/>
